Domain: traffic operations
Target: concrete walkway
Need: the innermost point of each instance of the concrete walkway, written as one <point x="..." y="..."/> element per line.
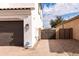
<point x="44" y="48"/>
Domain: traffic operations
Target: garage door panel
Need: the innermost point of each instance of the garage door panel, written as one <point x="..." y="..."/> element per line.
<point x="11" y="33"/>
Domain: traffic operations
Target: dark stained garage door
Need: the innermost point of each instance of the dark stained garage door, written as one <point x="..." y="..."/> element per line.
<point x="11" y="33"/>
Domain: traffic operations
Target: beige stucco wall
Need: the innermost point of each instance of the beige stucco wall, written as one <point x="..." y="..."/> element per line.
<point x="72" y="24"/>
<point x="15" y="12"/>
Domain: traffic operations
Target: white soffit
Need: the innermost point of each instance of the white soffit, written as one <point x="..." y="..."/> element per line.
<point x="17" y="5"/>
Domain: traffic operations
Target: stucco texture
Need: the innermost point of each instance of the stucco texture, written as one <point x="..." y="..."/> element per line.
<point x="74" y="24"/>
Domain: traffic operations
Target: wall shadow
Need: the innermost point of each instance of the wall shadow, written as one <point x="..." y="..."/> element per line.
<point x="61" y="46"/>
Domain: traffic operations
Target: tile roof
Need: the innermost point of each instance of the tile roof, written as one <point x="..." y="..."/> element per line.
<point x="14" y="8"/>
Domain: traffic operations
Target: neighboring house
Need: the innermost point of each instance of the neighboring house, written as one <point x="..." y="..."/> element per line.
<point x="19" y="24"/>
<point x="71" y="23"/>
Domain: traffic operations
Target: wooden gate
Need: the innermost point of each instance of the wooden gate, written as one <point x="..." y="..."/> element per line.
<point x="66" y="33"/>
<point x="48" y="34"/>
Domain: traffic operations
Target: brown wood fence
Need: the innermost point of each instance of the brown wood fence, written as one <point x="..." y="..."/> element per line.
<point x="66" y="33"/>
<point x="48" y="34"/>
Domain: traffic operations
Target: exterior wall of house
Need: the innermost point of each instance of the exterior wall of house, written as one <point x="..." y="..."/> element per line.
<point x="36" y="25"/>
<point x="72" y="24"/>
<point x="28" y="33"/>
